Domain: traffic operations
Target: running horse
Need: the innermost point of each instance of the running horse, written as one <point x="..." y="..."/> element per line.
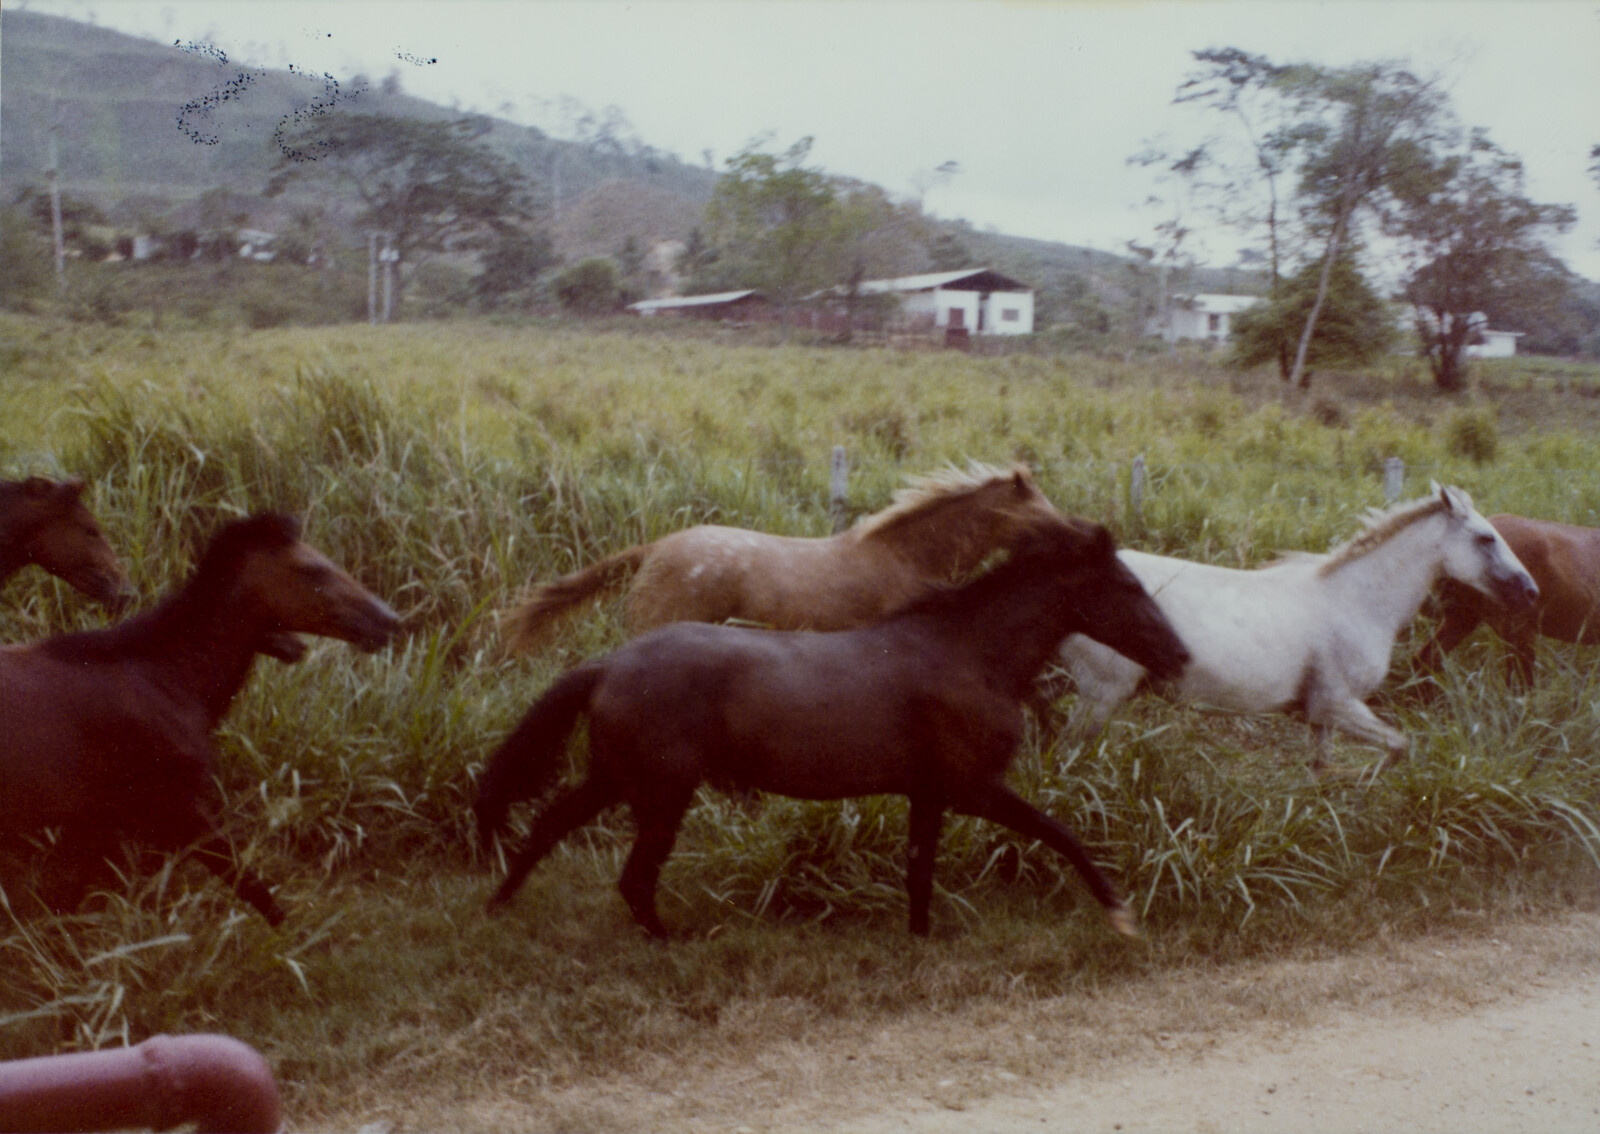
<point x="106" y="734"/>
<point x="1307" y="633"/>
<point x="1564" y="561"/>
<point x="937" y="528"/>
<point x="925" y="704"/>
<point x="45" y="522"/>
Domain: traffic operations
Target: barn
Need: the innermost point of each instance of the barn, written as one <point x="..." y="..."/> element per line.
<point x="978" y="300"/>
<point x="732" y="305"/>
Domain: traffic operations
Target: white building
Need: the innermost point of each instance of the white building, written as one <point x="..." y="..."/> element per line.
<point x="1205" y="316"/>
<point x="977" y="300"/>
<point x="1482" y="342"/>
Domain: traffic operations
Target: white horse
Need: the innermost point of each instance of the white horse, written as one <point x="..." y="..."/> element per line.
<point x="1311" y="633"/>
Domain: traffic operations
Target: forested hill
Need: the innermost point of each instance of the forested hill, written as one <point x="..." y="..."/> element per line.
<point x="144" y="127"/>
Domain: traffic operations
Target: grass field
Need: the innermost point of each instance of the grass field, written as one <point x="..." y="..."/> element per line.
<point x="446" y="465"/>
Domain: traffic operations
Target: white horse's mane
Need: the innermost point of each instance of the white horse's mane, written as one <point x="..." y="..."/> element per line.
<point x="923" y="492"/>
<point x="1382" y="524"/>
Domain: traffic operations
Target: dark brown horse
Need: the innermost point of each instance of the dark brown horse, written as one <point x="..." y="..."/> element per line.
<point x="1564" y="560"/>
<point x="938" y="528"/>
<point x="926" y="704"/>
<point x="106" y="734"/>
<point x="45" y="522"/>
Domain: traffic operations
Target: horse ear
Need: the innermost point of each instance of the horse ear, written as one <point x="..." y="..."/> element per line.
<point x="1019" y="481"/>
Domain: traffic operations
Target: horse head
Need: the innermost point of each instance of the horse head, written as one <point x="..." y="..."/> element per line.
<point x="289" y="587"/>
<point x="1477" y="555"/>
<point x="1116" y="610"/>
<point x="61" y="536"/>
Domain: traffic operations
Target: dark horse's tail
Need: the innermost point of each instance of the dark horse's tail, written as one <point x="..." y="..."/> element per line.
<point x="530" y="758"/>
<point x="526" y="625"/>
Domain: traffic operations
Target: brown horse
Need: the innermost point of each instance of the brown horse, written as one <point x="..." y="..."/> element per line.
<point x="106" y="734"/>
<point x="45" y="522"/>
<point x="1564" y="560"/>
<point x="937" y="528"/>
<point x="925" y="704"/>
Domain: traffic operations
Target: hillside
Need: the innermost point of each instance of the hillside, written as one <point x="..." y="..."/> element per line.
<point x="117" y="102"/>
<point x="127" y="144"/>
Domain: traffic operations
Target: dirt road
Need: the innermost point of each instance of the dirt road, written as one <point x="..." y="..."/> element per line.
<point x="1492" y="1028"/>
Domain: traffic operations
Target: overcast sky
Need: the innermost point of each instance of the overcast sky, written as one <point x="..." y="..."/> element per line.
<point x="1041" y="103"/>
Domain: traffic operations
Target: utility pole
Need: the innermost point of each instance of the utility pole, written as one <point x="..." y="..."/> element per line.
<point x="390" y="256"/>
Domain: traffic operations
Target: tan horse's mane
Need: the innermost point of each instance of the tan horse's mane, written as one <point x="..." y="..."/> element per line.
<point x="922" y="494"/>
<point x="1382" y="525"/>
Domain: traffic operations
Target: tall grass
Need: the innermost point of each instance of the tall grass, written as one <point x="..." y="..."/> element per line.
<point x="446" y="466"/>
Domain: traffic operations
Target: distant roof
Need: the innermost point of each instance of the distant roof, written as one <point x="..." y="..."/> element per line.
<point x="1222" y="304"/>
<point x="672" y="301"/>
<point x="970" y="279"/>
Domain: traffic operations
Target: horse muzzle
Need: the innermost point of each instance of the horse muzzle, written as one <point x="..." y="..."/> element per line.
<point x="371" y="626"/>
<point x="1517" y="592"/>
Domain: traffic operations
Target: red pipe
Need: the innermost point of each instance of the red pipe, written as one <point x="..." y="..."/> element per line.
<point x="214" y="1081"/>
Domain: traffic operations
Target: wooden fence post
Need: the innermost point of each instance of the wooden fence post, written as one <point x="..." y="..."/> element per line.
<point x="838" y="484"/>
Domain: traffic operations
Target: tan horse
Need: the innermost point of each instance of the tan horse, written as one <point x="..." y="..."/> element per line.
<point x="937" y="528"/>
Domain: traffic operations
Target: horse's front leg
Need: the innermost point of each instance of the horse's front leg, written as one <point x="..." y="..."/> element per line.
<point x="1353" y="716"/>
<point x="927" y="817"/>
<point x="994" y="801"/>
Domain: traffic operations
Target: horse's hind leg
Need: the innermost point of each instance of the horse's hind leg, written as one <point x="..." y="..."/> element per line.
<point x="217" y="856"/>
<point x="999" y="804"/>
<point x="658" y="821"/>
<point x="215" y="853"/>
<point x="570" y="809"/>
<point x="927" y="816"/>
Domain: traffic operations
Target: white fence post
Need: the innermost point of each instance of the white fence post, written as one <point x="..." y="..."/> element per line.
<point x="1136" y="477"/>
<point x="1394" y="477"/>
<point x="838" y="483"/>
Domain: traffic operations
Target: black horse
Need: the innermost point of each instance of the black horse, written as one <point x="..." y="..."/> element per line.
<point x="106" y="734"/>
<point x="926" y="704"/>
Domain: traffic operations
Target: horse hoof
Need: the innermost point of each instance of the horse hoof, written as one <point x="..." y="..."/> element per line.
<point x="1124" y="921"/>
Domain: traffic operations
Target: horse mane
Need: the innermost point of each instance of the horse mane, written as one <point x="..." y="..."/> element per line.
<point x="924" y="494"/>
<point x="199" y="596"/>
<point x="1381" y="525"/>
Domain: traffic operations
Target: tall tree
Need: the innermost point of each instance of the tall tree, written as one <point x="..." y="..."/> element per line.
<point x="1247" y="189"/>
<point x="1368" y="125"/>
<point x="434" y="185"/>
<point x="1475" y="245"/>
<point x="771" y="219"/>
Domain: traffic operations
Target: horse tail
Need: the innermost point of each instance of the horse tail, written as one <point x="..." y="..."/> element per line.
<point x="527" y="625"/>
<point x="530" y="758"/>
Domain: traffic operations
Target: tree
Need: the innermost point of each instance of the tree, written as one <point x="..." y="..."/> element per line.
<point x="1345" y="134"/>
<point x="1372" y="124"/>
<point x="512" y="264"/>
<point x="434" y="185"/>
<point x="1252" y="91"/>
<point x="1355" y="326"/>
<point x="590" y="287"/>
<point x="770" y="218"/>
<point x="1475" y="246"/>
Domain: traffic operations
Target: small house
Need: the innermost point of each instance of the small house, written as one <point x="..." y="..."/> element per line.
<point x="1207" y="317"/>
